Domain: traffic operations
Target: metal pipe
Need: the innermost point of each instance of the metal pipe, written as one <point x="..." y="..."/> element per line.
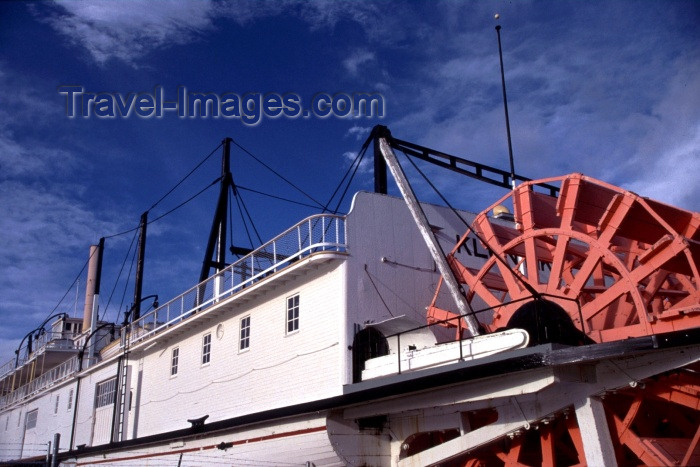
<point x="90" y="288"/>
<point x="97" y="278"/>
<point x="56" y="441"/>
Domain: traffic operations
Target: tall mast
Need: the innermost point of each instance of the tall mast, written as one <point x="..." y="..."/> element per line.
<point x="217" y="235"/>
<point x="136" y="310"/>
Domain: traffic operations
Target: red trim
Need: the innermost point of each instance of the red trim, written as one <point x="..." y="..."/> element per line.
<point x="212" y="446"/>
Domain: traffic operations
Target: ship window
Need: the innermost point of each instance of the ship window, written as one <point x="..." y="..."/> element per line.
<point x="70" y="399"/>
<point x="105" y="392"/>
<point x="206" y="349"/>
<point x="30" y="421"/>
<point x="55" y="407"/>
<point x="174" y="361"/>
<point x="245" y="333"/>
<point x="292" y="314"/>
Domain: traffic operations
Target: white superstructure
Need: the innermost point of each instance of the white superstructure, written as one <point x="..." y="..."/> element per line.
<point x="274" y="330"/>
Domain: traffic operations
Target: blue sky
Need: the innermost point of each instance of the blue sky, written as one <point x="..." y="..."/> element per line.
<point x="610" y="89"/>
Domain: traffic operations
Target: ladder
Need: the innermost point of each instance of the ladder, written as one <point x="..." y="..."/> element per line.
<point x="123" y="399"/>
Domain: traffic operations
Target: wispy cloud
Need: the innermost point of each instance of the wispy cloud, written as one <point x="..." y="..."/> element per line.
<point x="127" y="31"/>
<point x="667" y="157"/>
<point x="578" y="103"/>
<point x="356" y="60"/>
<point x="360" y="133"/>
<point x="365" y="165"/>
<point x="44" y="215"/>
<point x="130" y="31"/>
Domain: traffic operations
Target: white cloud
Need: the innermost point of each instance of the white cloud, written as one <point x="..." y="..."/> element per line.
<point x="19" y="160"/>
<point x="359" y="132"/>
<point x="673" y="177"/>
<point x="356" y="60"/>
<point x="127" y="31"/>
<point x="366" y="164"/>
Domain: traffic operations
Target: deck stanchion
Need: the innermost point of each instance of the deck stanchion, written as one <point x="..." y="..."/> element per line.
<point x="398" y="349"/>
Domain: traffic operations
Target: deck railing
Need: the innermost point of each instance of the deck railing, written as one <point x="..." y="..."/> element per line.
<point x="323" y="232"/>
<point x="8" y="367"/>
<point x="53" y="376"/>
<point x="46" y="341"/>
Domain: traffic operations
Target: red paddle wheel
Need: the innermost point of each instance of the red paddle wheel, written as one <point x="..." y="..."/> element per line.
<point x="619" y="266"/>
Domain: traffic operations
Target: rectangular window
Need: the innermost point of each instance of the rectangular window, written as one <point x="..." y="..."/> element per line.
<point x="70" y="399"/>
<point x="206" y="349"/>
<point x="105" y="392"/>
<point x="245" y="333"/>
<point x="55" y="407"/>
<point x="292" y="313"/>
<point x="174" y="360"/>
<point x="30" y="421"/>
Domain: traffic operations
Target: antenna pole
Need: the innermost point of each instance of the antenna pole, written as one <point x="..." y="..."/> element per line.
<point x="505" y="106"/>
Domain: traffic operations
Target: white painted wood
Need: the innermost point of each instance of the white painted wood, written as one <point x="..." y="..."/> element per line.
<point x="595" y="432"/>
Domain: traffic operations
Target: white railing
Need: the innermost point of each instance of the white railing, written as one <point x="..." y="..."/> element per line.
<point x="8" y="367"/>
<point x="53" y="376"/>
<point x="55" y="341"/>
<point x="46" y="341"/>
<point x="323" y="232"/>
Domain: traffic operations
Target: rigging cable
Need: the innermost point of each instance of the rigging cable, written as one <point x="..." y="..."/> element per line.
<point x="134" y="229"/>
<point x="70" y="287"/>
<point x="379" y="294"/>
<point x="131" y="267"/>
<point x="186" y="201"/>
<point x="276" y="173"/>
<point x="116" y="282"/>
<point x="357" y="160"/>
<point x="169" y="192"/>
<point x="239" y="187"/>
<point x="516" y="275"/>
<point x="186" y="176"/>
<point x="244" y="210"/>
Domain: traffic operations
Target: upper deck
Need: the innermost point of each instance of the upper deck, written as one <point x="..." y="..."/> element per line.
<point x="315" y="234"/>
<point x="22" y="377"/>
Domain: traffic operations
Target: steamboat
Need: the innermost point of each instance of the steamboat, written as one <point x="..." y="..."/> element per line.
<point x="560" y="326"/>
